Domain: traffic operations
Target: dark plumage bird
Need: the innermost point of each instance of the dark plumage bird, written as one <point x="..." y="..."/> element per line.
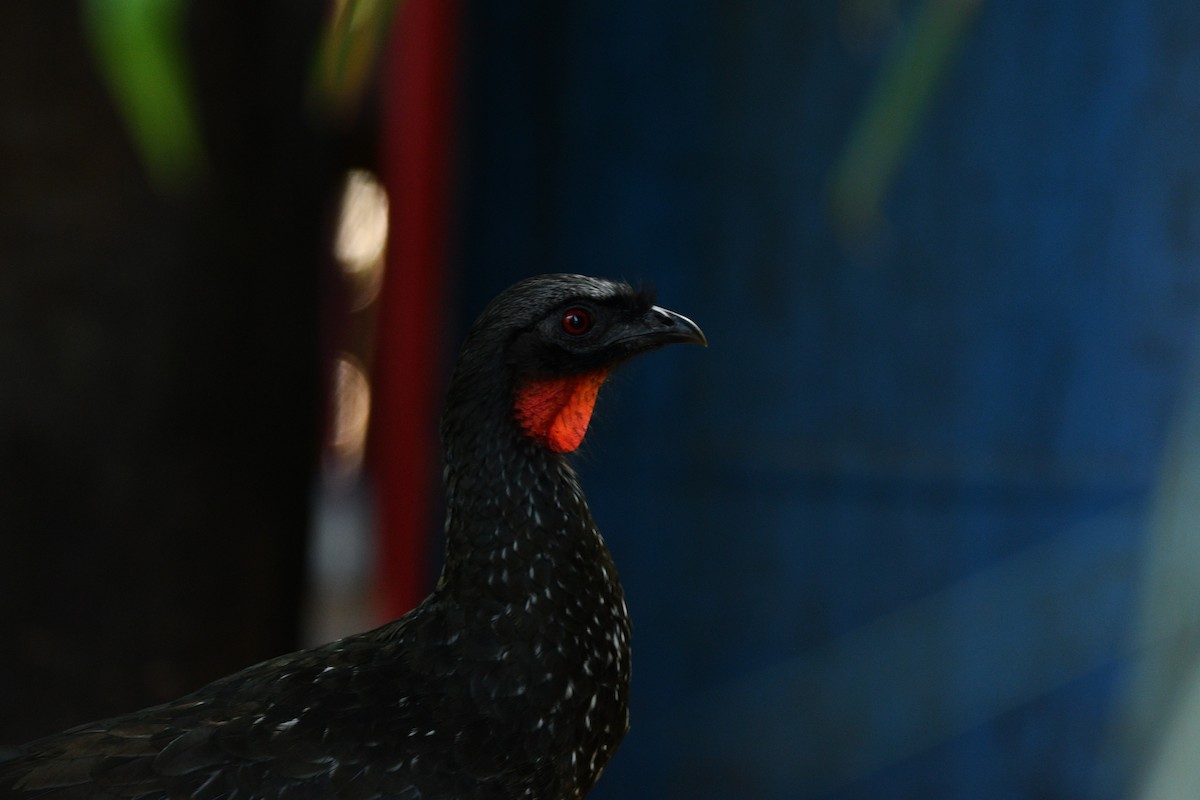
<point x="510" y="681"/>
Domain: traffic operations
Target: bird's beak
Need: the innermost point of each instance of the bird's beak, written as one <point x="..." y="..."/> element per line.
<point x="661" y="326"/>
<point x="672" y="327"/>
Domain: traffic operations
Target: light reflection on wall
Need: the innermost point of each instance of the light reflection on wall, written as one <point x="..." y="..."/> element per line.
<point x="343" y="525"/>
<point x="362" y="237"/>
<point x="351" y="412"/>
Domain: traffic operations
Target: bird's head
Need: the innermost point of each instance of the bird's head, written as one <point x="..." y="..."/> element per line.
<point x="555" y="338"/>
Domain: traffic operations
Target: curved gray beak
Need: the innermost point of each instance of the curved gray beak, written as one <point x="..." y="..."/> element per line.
<point x="666" y="327"/>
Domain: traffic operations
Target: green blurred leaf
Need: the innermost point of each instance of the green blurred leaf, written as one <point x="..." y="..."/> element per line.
<point x="138" y="45"/>
<point x="348" y="52"/>
<point x="894" y="111"/>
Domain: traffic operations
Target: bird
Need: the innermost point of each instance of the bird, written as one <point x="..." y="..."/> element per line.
<point x="510" y="680"/>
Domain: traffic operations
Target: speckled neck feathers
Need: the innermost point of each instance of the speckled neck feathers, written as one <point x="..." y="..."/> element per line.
<point x="524" y="557"/>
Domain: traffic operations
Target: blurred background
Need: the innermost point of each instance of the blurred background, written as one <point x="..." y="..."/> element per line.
<point x="919" y="522"/>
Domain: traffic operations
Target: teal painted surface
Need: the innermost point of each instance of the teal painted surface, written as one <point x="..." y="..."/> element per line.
<point x="885" y="537"/>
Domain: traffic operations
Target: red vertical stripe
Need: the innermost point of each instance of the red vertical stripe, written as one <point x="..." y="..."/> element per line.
<point x="418" y="106"/>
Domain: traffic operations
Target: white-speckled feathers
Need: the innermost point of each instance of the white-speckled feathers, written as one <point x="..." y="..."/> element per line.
<point x="510" y="681"/>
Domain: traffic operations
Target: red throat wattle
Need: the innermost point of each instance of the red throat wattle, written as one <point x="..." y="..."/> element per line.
<point x="556" y="411"/>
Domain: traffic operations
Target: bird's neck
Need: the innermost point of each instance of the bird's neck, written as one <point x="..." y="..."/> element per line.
<point x="516" y="517"/>
<point x="533" y="580"/>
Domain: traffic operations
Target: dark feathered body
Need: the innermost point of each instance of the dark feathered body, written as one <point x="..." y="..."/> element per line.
<point x="510" y="681"/>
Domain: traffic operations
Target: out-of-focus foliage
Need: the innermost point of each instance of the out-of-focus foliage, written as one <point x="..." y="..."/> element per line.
<point x="139" y="49"/>
<point x="894" y="111"/>
<point x="346" y="56"/>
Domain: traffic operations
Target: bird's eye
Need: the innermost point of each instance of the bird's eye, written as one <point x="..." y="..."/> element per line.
<point x="576" y="321"/>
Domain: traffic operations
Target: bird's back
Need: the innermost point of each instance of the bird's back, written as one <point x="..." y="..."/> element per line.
<point x="434" y="705"/>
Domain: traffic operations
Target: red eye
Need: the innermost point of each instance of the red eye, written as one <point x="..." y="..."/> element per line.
<point x="576" y="322"/>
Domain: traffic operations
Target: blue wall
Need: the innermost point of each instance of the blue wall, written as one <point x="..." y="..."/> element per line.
<point x="882" y="538"/>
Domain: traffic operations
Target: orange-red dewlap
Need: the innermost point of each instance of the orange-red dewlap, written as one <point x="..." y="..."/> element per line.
<point x="556" y="411"/>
